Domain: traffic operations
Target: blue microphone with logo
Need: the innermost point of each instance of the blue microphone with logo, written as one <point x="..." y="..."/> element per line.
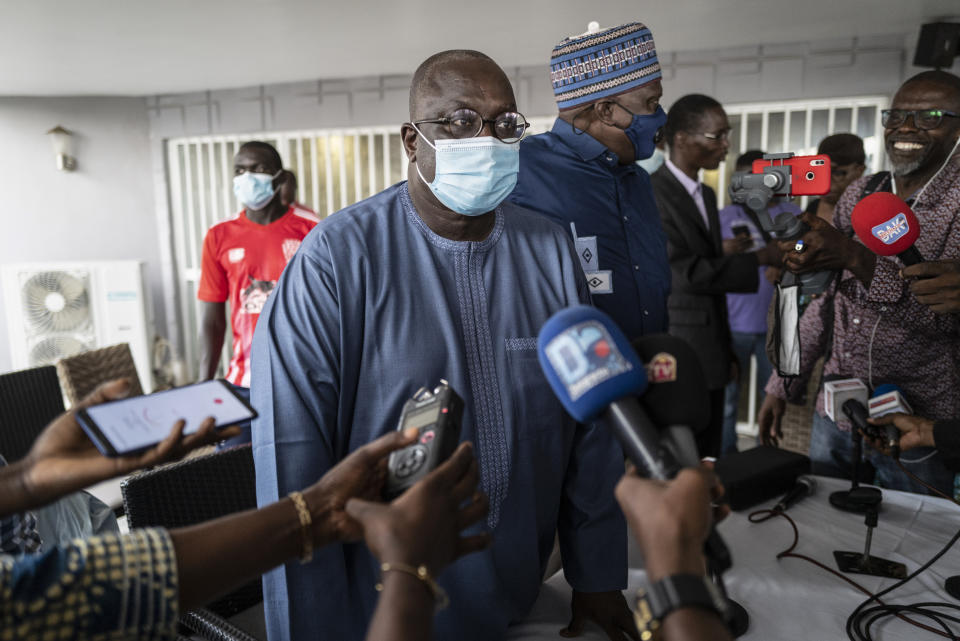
<point x="596" y="374"/>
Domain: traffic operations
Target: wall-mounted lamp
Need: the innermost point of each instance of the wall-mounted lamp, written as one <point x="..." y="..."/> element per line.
<point x="63" y="148"/>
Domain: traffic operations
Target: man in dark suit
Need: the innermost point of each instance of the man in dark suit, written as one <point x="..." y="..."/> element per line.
<point x="704" y="267"/>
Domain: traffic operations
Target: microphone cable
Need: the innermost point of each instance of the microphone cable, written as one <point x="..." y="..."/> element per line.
<point x="919" y="480"/>
<point x="861" y="620"/>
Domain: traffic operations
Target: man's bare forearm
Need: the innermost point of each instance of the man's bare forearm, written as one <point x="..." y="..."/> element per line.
<point x="14" y="493"/>
<point x="219" y="555"/>
<point x="212" y="332"/>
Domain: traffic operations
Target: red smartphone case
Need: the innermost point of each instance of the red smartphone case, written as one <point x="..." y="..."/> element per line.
<point x="809" y="175"/>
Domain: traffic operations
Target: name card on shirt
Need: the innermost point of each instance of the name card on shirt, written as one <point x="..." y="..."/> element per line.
<point x="586" y="247"/>
<point x="587" y="252"/>
<point x="600" y="282"/>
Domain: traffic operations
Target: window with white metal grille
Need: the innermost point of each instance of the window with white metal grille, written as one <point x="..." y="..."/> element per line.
<point x="334" y="167"/>
<point x="338" y="167"/>
<point x="799" y="126"/>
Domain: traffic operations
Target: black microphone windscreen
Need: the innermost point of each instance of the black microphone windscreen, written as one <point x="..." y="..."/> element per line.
<point x="676" y="391"/>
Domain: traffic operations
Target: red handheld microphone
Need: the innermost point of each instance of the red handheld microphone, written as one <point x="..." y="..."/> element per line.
<point x="887" y="226"/>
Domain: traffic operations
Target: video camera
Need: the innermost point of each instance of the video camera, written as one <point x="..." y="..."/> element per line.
<point x="785" y="175"/>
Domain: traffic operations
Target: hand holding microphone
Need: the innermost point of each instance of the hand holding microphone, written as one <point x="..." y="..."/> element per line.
<point x="671" y="520"/>
<point x="936" y="284"/>
<point x="912" y="431"/>
<point x="888" y="227"/>
<point x="596" y="374"/>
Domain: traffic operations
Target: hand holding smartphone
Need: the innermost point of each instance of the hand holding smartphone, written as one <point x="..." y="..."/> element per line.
<point x="132" y="425"/>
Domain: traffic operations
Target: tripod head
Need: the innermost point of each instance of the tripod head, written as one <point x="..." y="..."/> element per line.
<point x="754" y="190"/>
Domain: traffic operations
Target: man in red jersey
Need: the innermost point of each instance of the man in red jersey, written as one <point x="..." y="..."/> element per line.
<point x="244" y="256"/>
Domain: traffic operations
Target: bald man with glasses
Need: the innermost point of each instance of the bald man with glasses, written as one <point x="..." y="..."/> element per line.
<point x="439" y="278"/>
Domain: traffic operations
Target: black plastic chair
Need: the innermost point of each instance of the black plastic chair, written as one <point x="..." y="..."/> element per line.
<point x="29" y="400"/>
<point x="190" y="492"/>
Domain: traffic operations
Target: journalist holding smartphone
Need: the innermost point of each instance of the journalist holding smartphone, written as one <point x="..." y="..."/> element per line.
<point x="134" y="585"/>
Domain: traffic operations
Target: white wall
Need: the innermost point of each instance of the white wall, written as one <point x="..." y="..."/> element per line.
<point x="115" y="204"/>
<point x="788" y="71"/>
<point x="103" y="210"/>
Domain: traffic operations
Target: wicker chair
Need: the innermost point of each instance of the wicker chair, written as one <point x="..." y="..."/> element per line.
<point x="81" y="374"/>
<point x="797" y="420"/>
<point x="29" y="399"/>
<point x="190" y="492"/>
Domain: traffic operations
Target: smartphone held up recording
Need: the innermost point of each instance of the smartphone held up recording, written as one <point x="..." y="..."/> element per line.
<point x="132" y="425"/>
<point x="809" y="175"/>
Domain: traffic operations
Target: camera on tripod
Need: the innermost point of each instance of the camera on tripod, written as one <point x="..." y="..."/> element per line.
<point x="785" y="175"/>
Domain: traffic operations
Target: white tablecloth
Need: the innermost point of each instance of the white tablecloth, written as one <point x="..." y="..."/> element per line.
<point x="792" y="599"/>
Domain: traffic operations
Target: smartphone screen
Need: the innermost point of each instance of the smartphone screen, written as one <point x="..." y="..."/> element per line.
<point x="134" y="424"/>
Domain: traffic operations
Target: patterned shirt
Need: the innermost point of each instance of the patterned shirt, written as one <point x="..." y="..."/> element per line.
<point x="18" y="532"/>
<point x="881" y="334"/>
<point x="106" y="587"/>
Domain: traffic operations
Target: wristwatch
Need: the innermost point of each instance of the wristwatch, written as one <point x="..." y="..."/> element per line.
<point x="672" y="592"/>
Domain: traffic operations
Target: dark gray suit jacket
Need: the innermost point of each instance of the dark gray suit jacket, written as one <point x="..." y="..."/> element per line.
<point x="702" y="275"/>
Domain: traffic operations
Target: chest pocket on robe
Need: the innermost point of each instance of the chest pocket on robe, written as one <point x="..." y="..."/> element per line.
<point x="535" y="409"/>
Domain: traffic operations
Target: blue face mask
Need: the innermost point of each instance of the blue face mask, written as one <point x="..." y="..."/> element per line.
<point x="654" y="162"/>
<point x="255" y="190"/>
<point x="473" y="175"/>
<point x="645" y="131"/>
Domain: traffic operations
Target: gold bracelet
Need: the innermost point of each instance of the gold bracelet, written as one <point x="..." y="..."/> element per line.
<point x="306" y="540"/>
<point x="439" y="595"/>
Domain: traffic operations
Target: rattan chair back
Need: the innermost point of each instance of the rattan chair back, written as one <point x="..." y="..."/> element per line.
<point x="29" y="399"/>
<point x="82" y="373"/>
<point x="194" y="491"/>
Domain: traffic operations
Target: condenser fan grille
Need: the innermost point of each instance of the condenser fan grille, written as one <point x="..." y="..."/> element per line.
<point x="56" y="302"/>
<point x="49" y="350"/>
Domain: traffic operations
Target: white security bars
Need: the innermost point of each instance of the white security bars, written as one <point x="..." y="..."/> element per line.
<point x="334" y="167"/>
<point x="338" y="167"/>
<point x="799" y="126"/>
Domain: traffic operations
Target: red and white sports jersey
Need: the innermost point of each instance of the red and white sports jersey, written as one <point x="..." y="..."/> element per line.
<point x="242" y="262"/>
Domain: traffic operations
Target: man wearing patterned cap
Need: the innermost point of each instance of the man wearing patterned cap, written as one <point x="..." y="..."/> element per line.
<point x="582" y="174"/>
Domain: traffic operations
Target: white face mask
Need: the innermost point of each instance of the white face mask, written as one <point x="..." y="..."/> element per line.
<point x="255" y="190"/>
<point x="654" y="162"/>
<point x="473" y="175"/>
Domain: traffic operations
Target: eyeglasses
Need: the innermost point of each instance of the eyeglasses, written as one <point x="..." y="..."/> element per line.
<point x="922" y="118"/>
<point x="509" y="127"/>
<point x="723" y="134"/>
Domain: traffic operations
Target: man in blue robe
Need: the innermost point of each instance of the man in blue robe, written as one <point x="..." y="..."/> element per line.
<point x="439" y="278"/>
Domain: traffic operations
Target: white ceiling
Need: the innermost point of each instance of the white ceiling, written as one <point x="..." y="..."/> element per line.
<point x="134" y="47"/>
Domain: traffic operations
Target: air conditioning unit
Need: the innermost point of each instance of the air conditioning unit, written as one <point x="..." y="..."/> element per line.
<point x="57" y="310"/>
